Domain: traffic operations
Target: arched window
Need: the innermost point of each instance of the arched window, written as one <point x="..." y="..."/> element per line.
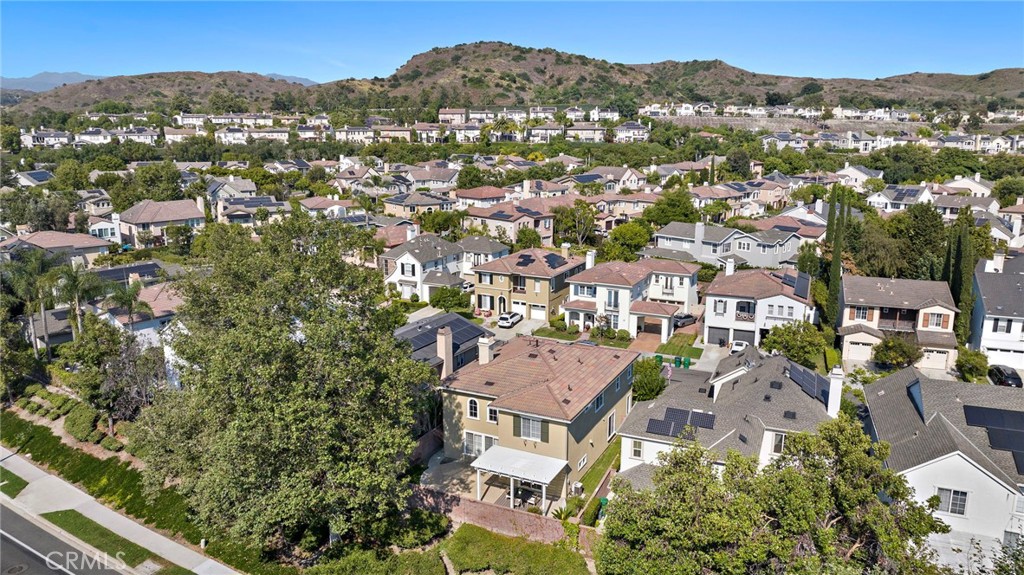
<point x="474" y="409"/>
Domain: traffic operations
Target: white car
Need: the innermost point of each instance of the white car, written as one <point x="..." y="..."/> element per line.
<point x="509" y="319"/>
<point x="738" y="346"/>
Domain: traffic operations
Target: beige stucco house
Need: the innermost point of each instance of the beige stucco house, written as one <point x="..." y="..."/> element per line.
<point x="532" y="282"/>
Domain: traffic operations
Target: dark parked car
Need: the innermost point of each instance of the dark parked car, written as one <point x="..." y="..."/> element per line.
<point x="683" y="320"/>
<point x="1002" y="375"/>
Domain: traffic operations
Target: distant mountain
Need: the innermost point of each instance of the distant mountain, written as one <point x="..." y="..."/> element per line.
<point x="294" y="79"/>
<point x="44" y="81"/>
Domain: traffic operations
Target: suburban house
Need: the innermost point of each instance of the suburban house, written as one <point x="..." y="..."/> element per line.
<point x="855" y="176"/>
<point x="480" y="197"/>
<point x="446" y="342"/>
<point x="106" y="229"/>
<point x="873" y="308"/>
<point x="231" y="186"/>
<point x="544" y="133"/>
<point x="477" y="250"/>
<point x="710" y="244"/>
<point x="535" y="414"/>
<point x="451" y="115"/>
<point x="532" y="282"/>
<point x="165" y="302"/>
<point x="44" y="138"/>
<point x="816" y="213"/>
<point x="330" y="206"/>
<point x="744" y="305"/>
<point x="75" y="248"/>
<point x="33" y="178"/>
<point x="407" y="205"/>
<point x="634" y="296"/>
<point x="422" y="264"/>
<point x="751" y="404"/>
<point x="515" y="215"/>
<point x="897" y="197"/>
<point x="617" y="179"/>
<point x="949" y="206"/>
<point x="962" y="442"/>
<point x="245" y="211"/>
<point x="153" y="218"/>
<point x="584" y="132"/>
<point x="628" y="132"/>
<point x="997" y="323"/>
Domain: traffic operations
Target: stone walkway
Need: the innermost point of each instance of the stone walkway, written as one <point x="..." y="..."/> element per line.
<point x="46" y="493"/>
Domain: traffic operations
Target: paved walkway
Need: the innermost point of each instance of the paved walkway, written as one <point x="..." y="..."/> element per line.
<point x="423" y="313"/>
<point x="46" y="493"/>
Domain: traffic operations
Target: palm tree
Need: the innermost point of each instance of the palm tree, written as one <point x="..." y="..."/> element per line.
<point x="126" y="298"/>
<point x="74" y="286"/>
<point x="26" y="275"/>
<point x="368" y="204"/>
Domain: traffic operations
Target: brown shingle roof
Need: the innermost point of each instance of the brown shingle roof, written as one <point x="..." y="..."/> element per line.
<point x="532" y="262"/>
<point x="653" y="308"/>
<point x="161" y="297"/>
<point x="149" y="211"/>
<point x="898" y="293"/>
<point x="543" y="378"/>
<point x="756" y="284"/>
<point x="481" y="193"/>
<point x="50" y="240"/>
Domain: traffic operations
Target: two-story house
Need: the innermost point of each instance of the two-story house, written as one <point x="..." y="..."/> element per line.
<point x="515" y="215"/>
<point x="751" y="404"/>
<point x="873" y="308"/>
<point x="635" y="296"/>
<point x="407" y="205"/>
<point x="73" y="248"/>
<point x="710" y="244"/>
<point x="855" y="176"/>
<point x="997" y="324"/>
<point x="445" y="342"/>
<point x="150" y="218"/>
<point x="961" y="442"/>
<point x="896" y="197"/>
<point x="744" y="305"/>
<point x="477" y="250"/>
<point x="164" y="302"/>
<point x="480" y="197"/>
<point x="535" y="414"/>
<point x="420" y="265"/>
<point x="532" y="282"/>
<point x="246" y="211"/>
<point x="451" y="115"/>
<point x="628" y="132"/>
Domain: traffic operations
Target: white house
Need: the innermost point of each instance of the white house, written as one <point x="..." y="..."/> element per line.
<point x="855" y="176"/>
<point x="997" y="324"/>
<point x="959" y="441"/>
<point x="897" y="197"/>
<point x="478" y="250"/>
<point x="422" y="264"/>
<point x="106" y="228"/>
<point x="744" y="305"/>
<point x="231" y="135"/>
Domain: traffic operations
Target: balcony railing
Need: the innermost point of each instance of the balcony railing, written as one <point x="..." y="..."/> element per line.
<point x="610" y="305"/>
<point x="896" y="324"/>
<point x="744" y="316"/>
<point x="518" y="289"/>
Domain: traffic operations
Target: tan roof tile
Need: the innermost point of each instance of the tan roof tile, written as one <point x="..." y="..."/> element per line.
<point x="534" y="262"/>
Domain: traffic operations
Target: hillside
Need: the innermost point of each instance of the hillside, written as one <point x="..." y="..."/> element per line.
<point x="44" y="81"/>
<point x="495" y="74"/>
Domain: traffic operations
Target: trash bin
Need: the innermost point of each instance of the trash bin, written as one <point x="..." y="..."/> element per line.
<point x="679" y="361"/>
<point x="659" y="359"/>
<point x="686" y="363"/>
<point x="604" y="505"/>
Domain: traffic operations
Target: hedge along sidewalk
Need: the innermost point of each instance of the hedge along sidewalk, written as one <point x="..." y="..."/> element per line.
<point x="46" y="493"/>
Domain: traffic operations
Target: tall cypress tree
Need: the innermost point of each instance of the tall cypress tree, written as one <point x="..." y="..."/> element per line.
<point x="964" y="294"/>
<point x="947" y="266"/>
<point x="830" y="227"/>
<point x="711" y="173"/>
<point x="835" y="270"/>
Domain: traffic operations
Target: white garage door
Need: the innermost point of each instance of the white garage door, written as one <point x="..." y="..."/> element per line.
<point x="933" y="359"/>
<point x="860" y="351"/>
<point x="538" y="311"/>
<point x="519" y="306"/>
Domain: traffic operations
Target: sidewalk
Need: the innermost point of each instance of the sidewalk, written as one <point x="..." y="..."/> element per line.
<point x="46" y="493"/>
<point x="423" y="313"/>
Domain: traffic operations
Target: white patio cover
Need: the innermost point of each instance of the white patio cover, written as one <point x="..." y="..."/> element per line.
<point x="520" y="465"/>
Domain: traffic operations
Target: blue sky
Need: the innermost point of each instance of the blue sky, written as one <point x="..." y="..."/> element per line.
<point x="329" y="41"/>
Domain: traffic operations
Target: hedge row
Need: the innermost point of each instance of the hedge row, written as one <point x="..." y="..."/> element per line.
<point x="117" y="484"/>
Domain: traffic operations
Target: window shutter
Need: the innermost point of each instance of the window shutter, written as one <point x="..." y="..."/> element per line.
<point x="544" y="432"/>
<point x="517" y="426"/>
<point x="871" y="314"/>
<point x="853" y="313"/>
<point x="924" y="320"/>
<point x="1009" y="325"/>
<point x="995" y="325"/>
<point x="945" y="321"/>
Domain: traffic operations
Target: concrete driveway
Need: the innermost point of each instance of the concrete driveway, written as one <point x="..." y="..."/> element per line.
<point x="524" y="327"/>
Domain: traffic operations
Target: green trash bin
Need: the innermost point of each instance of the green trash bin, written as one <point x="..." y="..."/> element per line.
<point x="659" y="359"/>
<point x="604" y="505"/>
<point x="679" y="362"/>
<point x="686" y="363"/>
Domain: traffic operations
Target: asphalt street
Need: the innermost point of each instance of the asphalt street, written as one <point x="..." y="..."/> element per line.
<point x="24" y="548"/>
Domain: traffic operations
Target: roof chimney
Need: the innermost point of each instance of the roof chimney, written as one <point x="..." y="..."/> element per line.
<point x="410" y="232"/>
<point x="565" y="250"/>
<point x="996" y="264"/>
<point x="591" y="258"/>
<point x="730" y="266"/>
<point x="445" y="351"/>
<point x="819" y="206"/>
<point x="977" y="176"/>
<point x="835" y="390"/>
<point x="485" y="350"/>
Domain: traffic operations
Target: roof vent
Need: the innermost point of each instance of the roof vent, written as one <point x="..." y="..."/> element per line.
<point x="767" y="397"/>
<point x="702" y="390"/>
<point x="533" y="356"/>
<point x="776" y="385"/>
<point x="743" y="438"/>
<point x="789" y="415"/>
<point x="488" y="383"/>
<point x="566" y="401"/>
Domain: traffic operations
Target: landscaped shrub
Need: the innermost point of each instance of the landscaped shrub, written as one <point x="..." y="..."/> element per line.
<point x="533" y="509"/>
<point x="23" y="402"/>
<point x="68" y="406"/>
<point x="33" y="407"/>
<point x="43" y="411"/>
<point x="81" y="421"/>
<point x="95" y="437"/>
<point x="573" y="329"/>
<point x="591" y="512"/>
<point x="622" y="335"/>
<point x="111" y="444"/>
<point x="414" y="298"/>
<point x="421" y="527"/>
<point x="53" y="415"/>
<point x="33" y="389"/>
<point x="558" y="324"/>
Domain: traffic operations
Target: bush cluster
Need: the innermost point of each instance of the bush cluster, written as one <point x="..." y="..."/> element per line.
<point x="81" y="422"/>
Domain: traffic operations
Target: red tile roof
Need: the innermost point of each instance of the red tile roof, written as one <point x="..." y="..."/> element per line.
<point x="481" y="193"/>
<point x="534" y="262"/>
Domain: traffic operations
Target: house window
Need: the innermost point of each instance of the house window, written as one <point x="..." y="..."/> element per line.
<point x="953" y="501"/>
<point x="492" y="415"/>
<point x="771" y="309"/>
<point x="613" y="299"/>
<point x="536" y="286"/>
<point x="611" y="424"/>
<point x="714" y="248"/>
<point x="408" y="270"/>
<point x="935" y="320"/>
<point x="613" y="321"/>
<point x="618" y="382"/>
<point x="629" y="373"/>
<point x="789" y="311"/>
<point x="531" y="428"/>
<point x="474" y="409"/>
<point x="861" y="313"/>
<point x="582" y="463"/>
<point x="476" y="443"/>
<point x="743" y="246"/>
<point x="547" y="224"/>
<point x="764" y="249"/>
<point x="1001" y="325"/>
<point x="720" y="306"/>
<point x="779" y="444"/>
<point x="486" y="279"/>
<point x="599" y="402"/>
<point x="638" y="449"/>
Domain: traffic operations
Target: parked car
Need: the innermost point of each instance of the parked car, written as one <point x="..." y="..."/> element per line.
<point x="737" y="346"/>
<point x="509" y="319"/>
<point x="467" y="286"/>
<point x="1003" y="375"/>
<point x="683" y="320"/>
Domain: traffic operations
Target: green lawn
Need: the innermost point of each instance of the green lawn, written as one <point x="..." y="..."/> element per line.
<point x="474" y="549"/>
<point x="826" y="361"/>
<point x="10" y="484"/>
<point x="607" y="459"/>
<point x="610" y="342"/>
<point x="468" y="314"/>
<point x="555" y="334"/>
<point x="681" y="345"/>
<point x="173" y="570"/>
<point x="99" y="536"/>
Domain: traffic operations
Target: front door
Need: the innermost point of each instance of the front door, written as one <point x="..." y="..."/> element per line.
<point x="501" y="304"/>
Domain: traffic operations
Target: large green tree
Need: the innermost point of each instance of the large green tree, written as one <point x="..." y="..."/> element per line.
<point x="283" y="421"/>
<point x="818" y="508"/>
<point x="625" y="241"/>
<point x="672" y="206"/>
<point x="799" y="341"/>
<point x="575" y="222"/>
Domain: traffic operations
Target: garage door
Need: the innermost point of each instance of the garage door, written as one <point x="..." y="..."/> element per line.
<point x="933" y="359"/>
<point x="859" y="351"/>
<point x="747" y="336"/>
<point x="520" y="307"/>
<point x="717" y="335"/>
<point x="538" y="311"/>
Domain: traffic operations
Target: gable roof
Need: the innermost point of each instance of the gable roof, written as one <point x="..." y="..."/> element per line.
<point x="424" y="247"/>
<point x="162" y="297"/>
<point x="50" y="240"/>
<point x="1002" y="294"/>
<point x="548" y="379"/>
<point x="897" y="293"/>
<point x="756" y="284"/>
<point x="481" y="245"/>
<point x="149" y="211"/>
<point x="631" y="273"/>
<point x="688" y="231"/>
<point x="422" y="335"/>
<point x="535" y="262"/>
<point x="481" y="193"/>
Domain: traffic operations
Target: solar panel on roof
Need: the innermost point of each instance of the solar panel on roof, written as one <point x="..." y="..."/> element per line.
<point x="991" y="417"/>
<point x="702" y="419"/>
<point x="789" y="415"/>
<point x="677" y="416"/>
<point x="659" y="427"/>
<point x="1018" y="460"/>
<point x="803" y="285"/>
<point x="1005" y="439"/>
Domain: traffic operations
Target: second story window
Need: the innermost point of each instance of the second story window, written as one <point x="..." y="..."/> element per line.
<point x="531" y="428"/>
<point x="720" y="306"/>
<point x="743" y="246"/>
<point x="492" y="415"/>
<point x="953" y="501"/>
<point x="486" y="279"/>
<point x="599" y="402"/>
<point x="1002" y="325"/>
<point x="473" y="409"/>
<point x="935" y="320"/>
<point x="861" y="313"/>
<point x="408" y="270"/>
<point x="779" y="443"/>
